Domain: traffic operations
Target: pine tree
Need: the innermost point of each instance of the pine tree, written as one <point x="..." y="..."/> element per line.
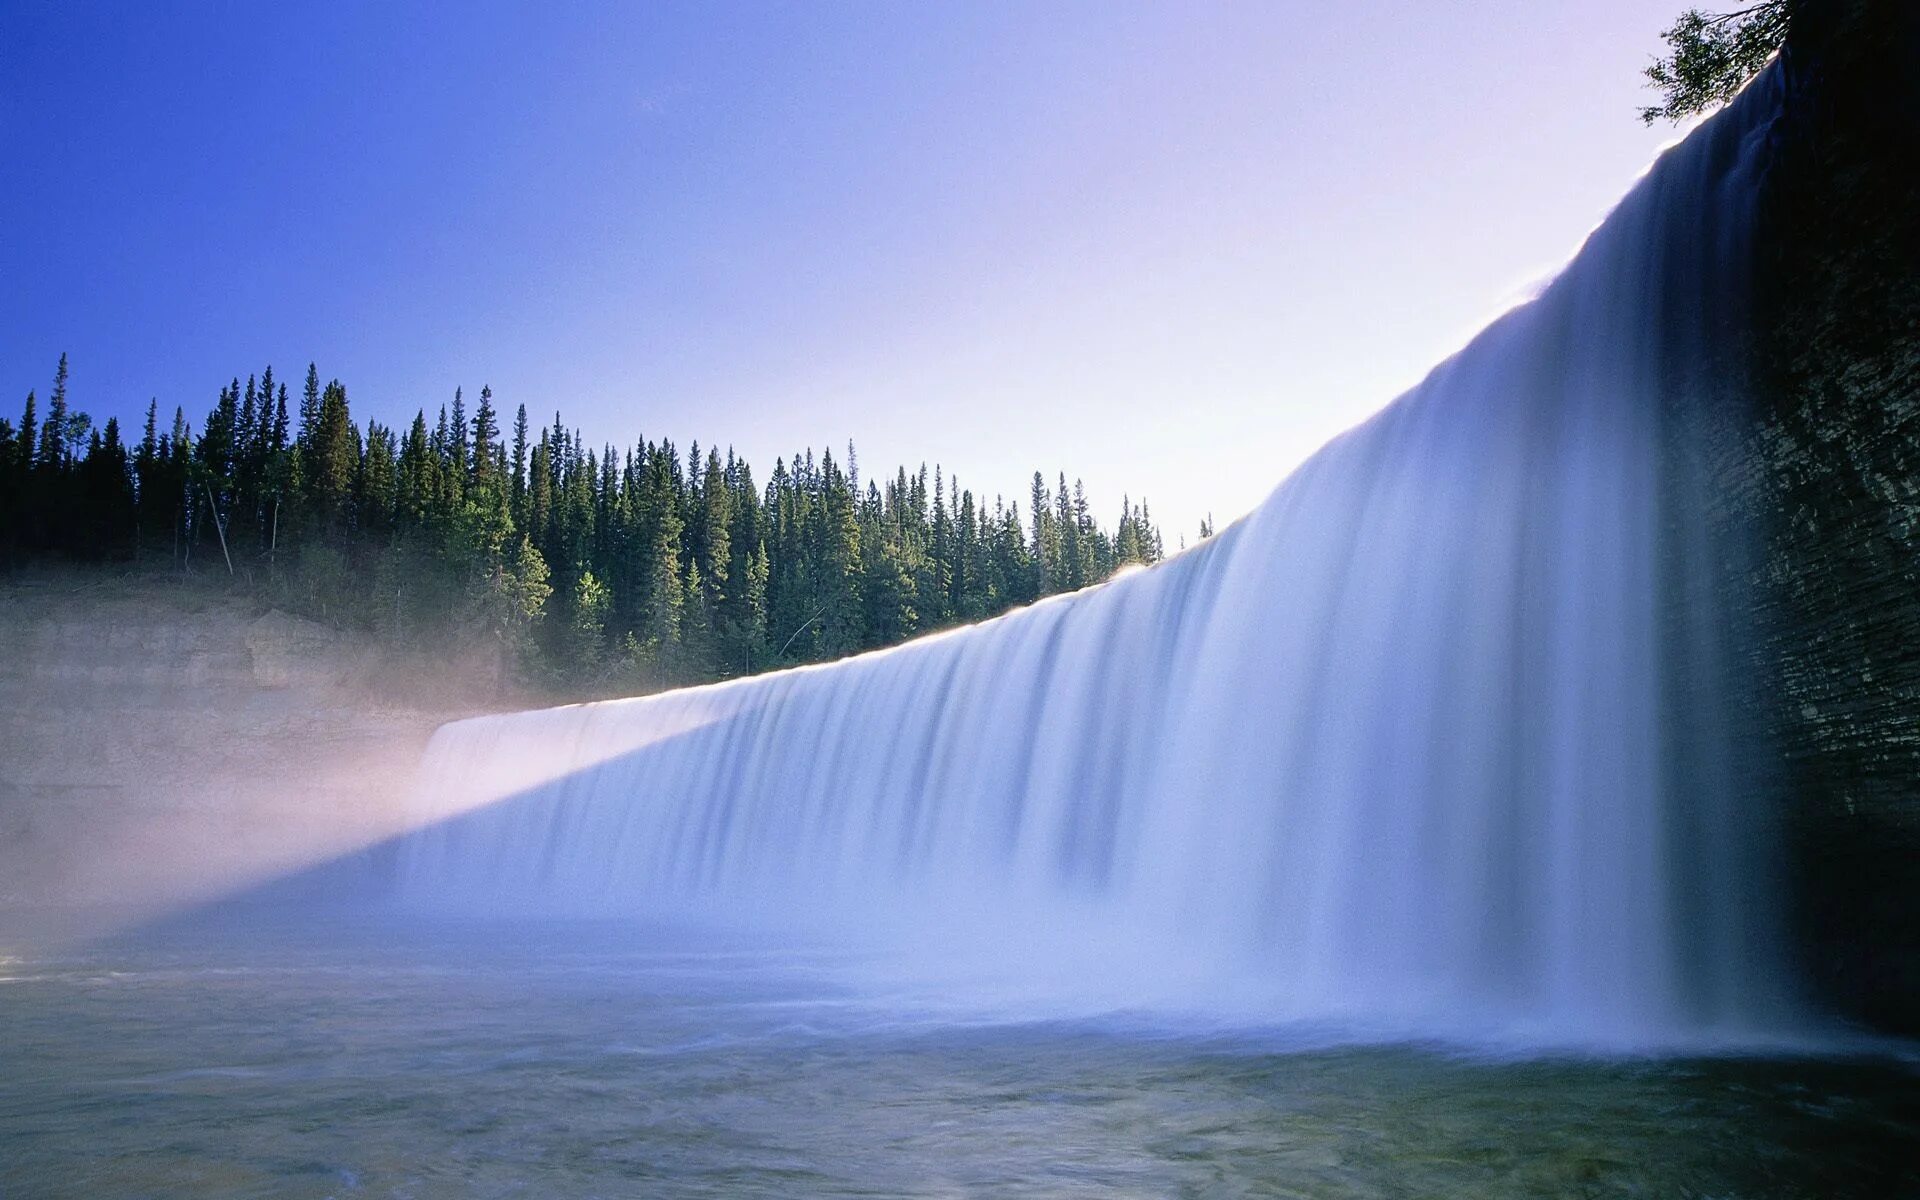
<point x="517" y="494"/>
<point x="334" y="459"/>
<point x="677" y="562"/>
<point x="887" y="590"/>
<point x="1070" y="575"/>
<point x="1126" y="543"/>
<point x="457" y="443"/>
<point x="1045" y="552"/>
<point x="273" y="419"/>
<point x="540" y="495"/>
<point x="376" y="482"/>
<point x="748" y="572"/>
<point x="938" y="595"/>
<point x="107" y="497"/>
<point x="841" y="626"/>
<point x="55" y="432"/>
<point x="521" y="589"/>
<point x="486" y="436"/>
<point x="662" y="580"/>
<point x="10" y="493"/>
<point x="1088" y="567"/>
<point x="417" y="485"/>
<point x="712" y="546"/>
<point x="310" y="408"/>
<point x="215" y="450"/>
<point x="25" y="438"/>
<point x="587" y="623"/>
<point x="150" y="435"/>
<point x="245" y="442"/>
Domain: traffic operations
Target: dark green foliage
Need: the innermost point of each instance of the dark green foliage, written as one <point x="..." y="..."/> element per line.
<point x="623" y="568"/>
<point x="1710" y="56"/>
<point x="330" y="461"/>
<point x="105" y="489"/>
<point x="62" y="430"/>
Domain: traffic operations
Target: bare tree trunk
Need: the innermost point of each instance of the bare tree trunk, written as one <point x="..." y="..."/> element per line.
<point x="219" y="527"/>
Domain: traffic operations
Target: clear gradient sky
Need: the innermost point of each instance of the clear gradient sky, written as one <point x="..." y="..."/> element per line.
<point x="1170" y="248"/>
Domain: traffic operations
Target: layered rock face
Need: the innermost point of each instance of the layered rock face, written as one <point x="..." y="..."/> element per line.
<point x="1828" y="476"/>
<point x="165" y="742"/>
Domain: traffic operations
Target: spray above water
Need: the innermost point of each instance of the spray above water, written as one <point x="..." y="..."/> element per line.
<point x="1432" y="741"/>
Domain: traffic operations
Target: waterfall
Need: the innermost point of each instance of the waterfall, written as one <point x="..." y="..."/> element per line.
<point x="1433" y="740"/>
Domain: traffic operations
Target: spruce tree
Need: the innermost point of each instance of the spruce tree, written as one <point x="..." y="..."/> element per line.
<point x="841" y="626"/>
<point x="273" y="422"/>
<point x="517" y="494"/>
<point x="522" y="590"/>
<point x="334" y="460"/>
<point x="214" y="452"/>
<point x="663" y="581"/>
<point x="486" y="437"/>
<point x="540" y="495"/>
<point x="587" y="623"/>
<point x="310" y="408"/>
<point x="416" y="485"/>
<point x="107" y="497"/>
<point x="376" y="483"/>
<point x="25" y="438"/>
<point x="54" y="432"/>
<point x="1071" y="574"/>
<point x="712" y="539"/>
<point x="245" y="441"/>
<point x="676" y="560"/>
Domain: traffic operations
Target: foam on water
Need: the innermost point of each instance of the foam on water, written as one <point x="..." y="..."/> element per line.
<point x="1432" y="742"/>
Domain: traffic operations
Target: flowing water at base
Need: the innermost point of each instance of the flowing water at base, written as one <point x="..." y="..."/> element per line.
<point x="536" y="1060"/>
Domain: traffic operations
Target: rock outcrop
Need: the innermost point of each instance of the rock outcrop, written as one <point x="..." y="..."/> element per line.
<point x="1829" y="478"/>
<point x="162" y="741"/>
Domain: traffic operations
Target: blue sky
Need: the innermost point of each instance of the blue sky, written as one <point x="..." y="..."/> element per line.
<point x="1168" y="248"/>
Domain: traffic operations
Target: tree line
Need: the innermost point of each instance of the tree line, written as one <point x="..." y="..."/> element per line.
<point x="629" y="566"/>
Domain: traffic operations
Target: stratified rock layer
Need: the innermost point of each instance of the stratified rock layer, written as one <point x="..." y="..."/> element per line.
<point x="1830" y="473"/>
<point x="165" y="741"/>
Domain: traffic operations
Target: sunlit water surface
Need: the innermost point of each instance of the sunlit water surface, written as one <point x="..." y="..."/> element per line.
<point x="349" y="1060"/>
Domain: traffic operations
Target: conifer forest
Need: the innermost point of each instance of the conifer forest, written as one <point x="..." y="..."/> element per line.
<point x="627" y="567"/>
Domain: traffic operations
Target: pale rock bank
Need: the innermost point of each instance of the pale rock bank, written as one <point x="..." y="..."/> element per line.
<point x="164" y="741"/>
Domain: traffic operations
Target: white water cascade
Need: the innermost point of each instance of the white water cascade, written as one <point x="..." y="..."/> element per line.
<point x="1430" y="741"/>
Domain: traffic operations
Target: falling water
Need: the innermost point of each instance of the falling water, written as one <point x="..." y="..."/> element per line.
<point x="1429" y="742"/>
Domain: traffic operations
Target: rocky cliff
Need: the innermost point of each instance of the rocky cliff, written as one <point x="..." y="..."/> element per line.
<point x="1829" y="478"/>
<point x="163" y="740"/>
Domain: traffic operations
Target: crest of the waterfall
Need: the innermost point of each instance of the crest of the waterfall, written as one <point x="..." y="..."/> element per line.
<point x="1427" y="743"/>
